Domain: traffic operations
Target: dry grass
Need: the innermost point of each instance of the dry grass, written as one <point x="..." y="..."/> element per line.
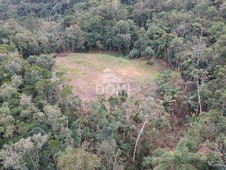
<point x="84" y="71"/>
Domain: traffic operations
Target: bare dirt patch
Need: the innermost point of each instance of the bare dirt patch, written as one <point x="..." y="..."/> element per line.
<point x="85" y="71"/>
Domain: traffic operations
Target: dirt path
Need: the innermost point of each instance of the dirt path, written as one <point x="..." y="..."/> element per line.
<point x="86" y="72"/>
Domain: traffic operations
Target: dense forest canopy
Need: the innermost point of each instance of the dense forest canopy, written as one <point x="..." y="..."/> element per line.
<point x="44" y="125"/>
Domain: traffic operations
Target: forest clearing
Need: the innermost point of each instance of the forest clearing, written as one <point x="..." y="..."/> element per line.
<point x="83" y="71"/>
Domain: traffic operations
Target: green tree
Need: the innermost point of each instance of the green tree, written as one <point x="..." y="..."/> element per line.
<point x="78" y="158"/>
<point x="13" y="155"/>
<point x="76" y="38"/>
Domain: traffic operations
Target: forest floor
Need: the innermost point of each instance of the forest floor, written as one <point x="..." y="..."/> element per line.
<point x="87" y="71"/>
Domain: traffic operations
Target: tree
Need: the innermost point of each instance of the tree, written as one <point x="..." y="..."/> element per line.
<point x="213" y="92"/>
<point x="44" y="43"/>
<point x="184" y="157"/>
<point x="6" y="121"/>
<point x="26" y="44"/>
<point x="149" y="53"/>
<point x="31" y="23"/>
<point x="13" y="155"/>
<point x="17" y="81"/>
<point x="149" y="111"/>
<point x="122" y="42"/>
<point x="44" y="61"/>
<point x="76" y="38"/>
<point x="134" y="53"/>
<point x="121" y="39"/>
<point x="11" y="158"/>
<point x="28" y="109"/>
<point x="53" y="117"/>
<point x="142" y="12"/>
<point x="78" y="158"/>
<point x="177" y="160"/>
<point x="12" y="66"/>
<point x="68" y="21"/>
<point x="34" y="74"/>
<point x="7" y="92"/>
<point x="68" y="101"/>
<point x="122" y="27"/>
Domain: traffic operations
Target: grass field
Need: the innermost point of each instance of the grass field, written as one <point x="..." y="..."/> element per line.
<point x="84" y="71"/>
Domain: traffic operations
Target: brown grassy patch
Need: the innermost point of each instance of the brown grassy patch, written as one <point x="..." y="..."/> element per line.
<point x="85" y="71"/>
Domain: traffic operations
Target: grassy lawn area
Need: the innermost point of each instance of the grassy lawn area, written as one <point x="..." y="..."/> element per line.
<point x="85" y="70"/>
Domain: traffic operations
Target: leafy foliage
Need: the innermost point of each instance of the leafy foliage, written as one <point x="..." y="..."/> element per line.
<point x="44" y="125"/>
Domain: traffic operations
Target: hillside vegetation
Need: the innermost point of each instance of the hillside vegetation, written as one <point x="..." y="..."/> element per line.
<point x="175" y="122"/>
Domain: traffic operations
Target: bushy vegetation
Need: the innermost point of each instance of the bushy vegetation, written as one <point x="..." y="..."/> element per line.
<point x="182" y="125"/>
